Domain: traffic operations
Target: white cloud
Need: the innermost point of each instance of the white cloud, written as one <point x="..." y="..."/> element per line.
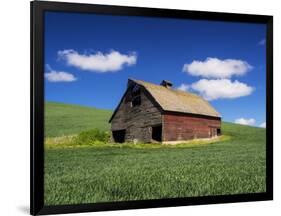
<point x="244" y="121"/>
<point x="262" y="42"/>
<point x="263" y="125"/>
<point x="221" y="89"/>
<point x="59" y="76"/>
<point x="98" y="62"/>
<point x="183" y="87"/>
<point x="217" y="68"/>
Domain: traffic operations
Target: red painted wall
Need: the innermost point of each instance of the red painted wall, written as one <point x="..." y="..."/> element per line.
<point x="185" y="127"/>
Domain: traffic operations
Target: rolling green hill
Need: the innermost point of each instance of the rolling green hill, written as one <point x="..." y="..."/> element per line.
<point x="65" y="119"/>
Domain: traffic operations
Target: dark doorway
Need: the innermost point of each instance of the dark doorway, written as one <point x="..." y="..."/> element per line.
<point x="218" y="131"/>
<point x="119" y="136"/>
<point x="157" y="133"/>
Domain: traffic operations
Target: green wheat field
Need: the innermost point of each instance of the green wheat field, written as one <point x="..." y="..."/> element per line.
<point x="80" y="169"/>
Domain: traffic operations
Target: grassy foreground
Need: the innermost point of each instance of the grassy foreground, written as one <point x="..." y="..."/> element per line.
<point x="65" y="119"/>
<point x="90" y="174"/>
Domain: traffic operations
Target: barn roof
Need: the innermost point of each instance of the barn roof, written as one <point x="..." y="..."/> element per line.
<point x="174" y="100"/>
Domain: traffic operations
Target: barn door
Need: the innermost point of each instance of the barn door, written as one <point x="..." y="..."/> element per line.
<point x="119" y="136"/>
<point x="157" y="133"/>
<point x="213" y="132"/>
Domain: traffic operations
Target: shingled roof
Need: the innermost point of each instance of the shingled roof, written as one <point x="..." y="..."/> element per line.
<point x="174" y="100"/>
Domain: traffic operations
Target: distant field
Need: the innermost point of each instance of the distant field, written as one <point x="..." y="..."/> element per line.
<point x="90" y="174"/>
<point x="65" y="119"/>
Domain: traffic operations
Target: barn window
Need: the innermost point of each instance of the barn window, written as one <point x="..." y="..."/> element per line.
<point x="136" y="96"/>
<point x="136" y="101"/>
<point x="157" y="133"/>
<point x="119" y="136"/>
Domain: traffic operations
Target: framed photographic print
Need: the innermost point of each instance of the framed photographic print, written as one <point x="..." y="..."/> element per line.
<point x="140" y="107"/>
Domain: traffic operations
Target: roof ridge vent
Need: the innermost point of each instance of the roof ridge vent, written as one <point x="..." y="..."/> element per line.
<point x="166" y="83"/>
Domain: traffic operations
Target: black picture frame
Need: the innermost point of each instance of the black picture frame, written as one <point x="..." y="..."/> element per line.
<point x="37" y="106"/>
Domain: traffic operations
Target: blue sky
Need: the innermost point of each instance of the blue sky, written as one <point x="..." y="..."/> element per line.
<point x="88" y="59"/>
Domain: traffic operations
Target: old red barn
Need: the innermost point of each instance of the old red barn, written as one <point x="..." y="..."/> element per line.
<point x="149" y="113"/>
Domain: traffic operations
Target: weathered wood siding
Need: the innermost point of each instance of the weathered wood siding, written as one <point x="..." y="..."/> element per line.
<point x="137" y="121"/>
<point x="185" y="127"/>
